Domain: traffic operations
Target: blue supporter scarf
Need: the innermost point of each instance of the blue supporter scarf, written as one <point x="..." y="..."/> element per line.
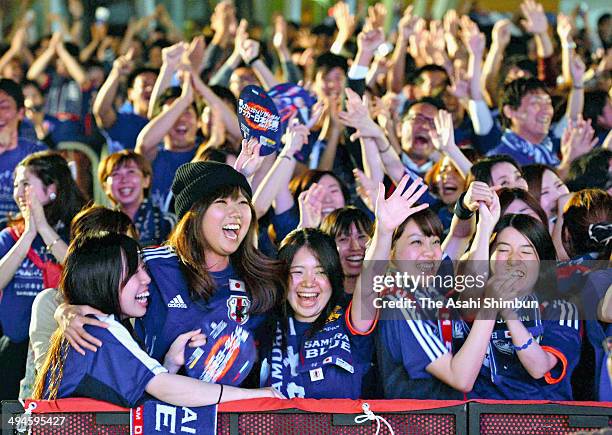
<point x="159" y="418"/>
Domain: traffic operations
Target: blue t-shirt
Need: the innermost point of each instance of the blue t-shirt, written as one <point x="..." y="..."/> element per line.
<point x="51" y="123"/>
<point x="118" y="372"/>
<point x="8" y="161"/>
<point x="503" y="376"/>
<point x="164" y="167"/>
<point x="225" y="318"/>
<point x="329" y="365"/>
<point x="152" y="224"/>
<point x="19" y="294"/>
<point x="412" y="337"/>
<point x="124" y="132"/>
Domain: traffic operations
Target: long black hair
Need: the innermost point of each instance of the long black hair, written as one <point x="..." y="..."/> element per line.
<point x="95" y="271"/>
<point x="324" y="249"/>
<point x="51" y="168"/>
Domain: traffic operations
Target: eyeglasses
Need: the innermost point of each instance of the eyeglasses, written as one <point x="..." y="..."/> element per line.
<point x="421" y="119"/>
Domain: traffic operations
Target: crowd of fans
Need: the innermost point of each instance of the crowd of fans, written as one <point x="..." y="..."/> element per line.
<point x="463" y="146"/>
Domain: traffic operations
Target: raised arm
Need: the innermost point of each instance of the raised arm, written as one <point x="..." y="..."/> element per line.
<point x="536" y="23"/>
<point x="493" y="61"/>
<point x="275" y="186"/>
<point x="171" y="57"/>
<point x="227" y="116"/>
<point x="443" y="138"/>
<point x="390" y="213"/>
<point x="346" y="23"/>
<point x="103" y="108"/>
<point x="153" y="133"/>
<point x="250" y="55"/>
<point x="38" y="67"/>
<point x="73" y="66"/>
<point x="397" y="73"/>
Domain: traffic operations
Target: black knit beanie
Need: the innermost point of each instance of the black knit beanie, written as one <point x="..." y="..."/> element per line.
<point x="196" y="180"/>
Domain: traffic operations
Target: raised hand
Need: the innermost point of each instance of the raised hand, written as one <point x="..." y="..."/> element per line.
<point x="489" y="213"/>
<point x="577" y="139"/>
<point x="358" y="117"/>
<point x="279" y="40"/>
<point x="249" y="50"/>
<point x="460" y="85"/>
<point x="311" y="204"/>
<point x="294" y="138"/>
<point x="577" y="69"/>
<point x="344" y="21"/>
<point x="366" y="188"/>
<point x="241" y="35"/>
<point x="472" y="38"/>
<point x="407" y="24"/>
<point x="171" y="56"/>
<point x="123" y="64"/>
<point x="377" y="15"/>
<point x="443" y="137"/>
<point x="187" y="87"/>
<point x="194" y="55"/>
<point x="391" y="212"/>
<point x="370" y="40"/>
<point x="478" y="193"/>
<point x="535" y="19"/>
<point x="249" y="160"/>
<point x="501" y="33"/>
<point x="564" y="28"/>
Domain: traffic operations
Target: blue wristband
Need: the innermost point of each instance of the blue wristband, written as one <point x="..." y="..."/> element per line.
<point x="525" y="346"/>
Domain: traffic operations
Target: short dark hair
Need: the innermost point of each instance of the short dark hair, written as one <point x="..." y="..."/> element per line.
<point x="596" y="101"/>
<point x="481" y="170"/>
<point x="324" y="249"/>
<point x="339" y="221"/>
<point x="513" y="92"/>
<point x="591" y="170"/>
<point x="96" y="268"/>
<point x="432" y="101"/>
<point x="328" y="61"/>
<point x="172" y="93"/>
<point x="13" y="90"/>
<point x="431" y="68"/>
<point x="141" y="70"/>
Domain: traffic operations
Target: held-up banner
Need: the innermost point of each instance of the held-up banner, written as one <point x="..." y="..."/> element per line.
<point x="159" y="418"/>
<point x="259" y="118"/>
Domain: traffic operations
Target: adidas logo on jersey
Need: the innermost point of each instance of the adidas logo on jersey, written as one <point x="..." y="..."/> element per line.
<point x="177" y="302"/>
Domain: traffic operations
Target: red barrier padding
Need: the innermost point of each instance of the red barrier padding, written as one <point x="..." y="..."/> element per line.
<point x="327" y="406"/>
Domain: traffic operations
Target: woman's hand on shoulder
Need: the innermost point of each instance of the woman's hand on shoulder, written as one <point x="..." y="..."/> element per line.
<point x="72" y="320"/>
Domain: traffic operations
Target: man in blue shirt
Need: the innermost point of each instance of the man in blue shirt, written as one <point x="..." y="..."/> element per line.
<point x="120" y="128"/>
<point x="12" y="148"/>
<point x="170" y="140"/>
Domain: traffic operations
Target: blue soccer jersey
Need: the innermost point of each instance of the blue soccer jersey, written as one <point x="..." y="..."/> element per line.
<point x="225" y="318"/>
<point x="410" y="338"/>
<point x="118" y="372"/>
<point x="329" y="365"/>
<point x="556" y="327"/>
